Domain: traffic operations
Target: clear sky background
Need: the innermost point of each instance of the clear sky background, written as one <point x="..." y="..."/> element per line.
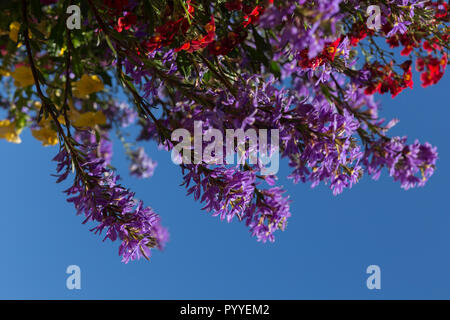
<point x="324" y="253"/>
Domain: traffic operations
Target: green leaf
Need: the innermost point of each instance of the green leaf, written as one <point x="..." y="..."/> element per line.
<point x="207" y="76"/>
<point x="275" y="69"/>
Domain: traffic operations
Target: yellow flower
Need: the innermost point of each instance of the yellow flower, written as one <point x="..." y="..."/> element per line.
<point x="9" y="132"/>
<point x="5" y="73"/>
<point x="14" y="28"/>
<point x="37" y="105"/>
<point x="46" y="122"/>
<point x="87" y="85"/>
<point x="61" y="52"/>
<point x="88" y="119"/>
<point x="23" y="77"/>
<point x="46" y="135"/>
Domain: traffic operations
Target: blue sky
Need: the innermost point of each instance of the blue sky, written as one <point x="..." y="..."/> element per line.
<point x="323" y="254"/>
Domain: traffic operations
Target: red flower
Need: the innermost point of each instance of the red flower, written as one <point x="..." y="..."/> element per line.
<point x="444" y="61"/>
<point x="426" y="79"/>
<point x="427" y="46"/>
<point x="441" y="9"/>
<point x="253" y="16"/>
<point x="407" y="50"/>
<point x="433" y="75"/>
<point x="406" y="65"/>
<point x="225" y="45"/>
<point x="331" y="50"/>
<point x="359" y="32"/>
<point x="154" y="43"/>
<point x="372" y="88"/>
<point x="165" y="34"/>
<point x="407" y="78"/>
<point x="393" y="41"/>
<point x="185" y="47"/>
<point x="202" y="42"/>
<point x="420" y="64"/>
<point x="126" y="22"/>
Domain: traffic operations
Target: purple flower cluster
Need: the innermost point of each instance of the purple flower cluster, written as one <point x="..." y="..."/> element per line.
<point x="269" y="213"/>
<point x="294" y="70"/>
<point x="142" y="166"/>
<point x="230" y="192"/>
<point x="121" y="113"/>
<point x="294" y="33"/>
<point x="404" y="161"/>
<point x="97" y="194"/>
<point x="288" y="79"/>
<point x="329" y="153"/>
<point x="318" y="136"/>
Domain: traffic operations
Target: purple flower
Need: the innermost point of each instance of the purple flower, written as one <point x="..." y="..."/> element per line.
<point x="412" y="165"/>
<point x="399" y="27"/>
<point x="97" y="195"/>
<point x="142" y="166"/>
